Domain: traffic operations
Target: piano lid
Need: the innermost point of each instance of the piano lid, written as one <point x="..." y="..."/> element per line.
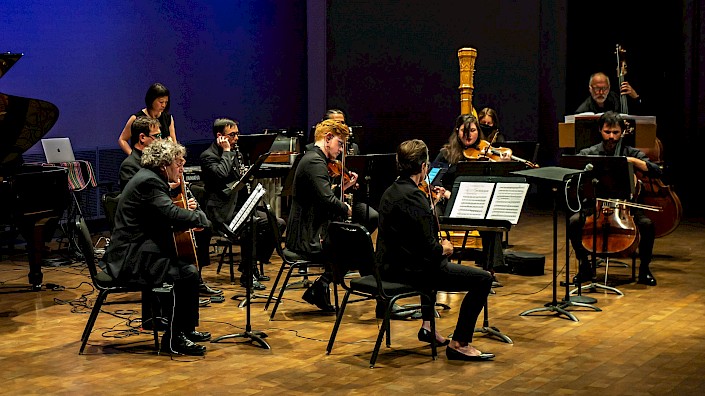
<point x="7" y="60"/>
<point x="23" y="121"/>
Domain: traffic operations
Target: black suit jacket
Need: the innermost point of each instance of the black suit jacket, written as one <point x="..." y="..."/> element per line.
<point x="142" y="243"/>
<point x="129" y="167"/>
<point x="313" y="206"/>
<point x="218" y="169"/>
<point x="407" y="241"/>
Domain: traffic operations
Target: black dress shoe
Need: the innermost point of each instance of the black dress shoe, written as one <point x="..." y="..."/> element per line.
<point x="426" y="336"/>
<point x="255" y="284"/>
<point x="206" y="291"/>
<point x="260" y="277"/>
<point x="197" y="336"/>
<point x="453" y="354"/>
<point x="181" y="345"/>
<point x="318" y="296"/>
<point x="646" y="278"/>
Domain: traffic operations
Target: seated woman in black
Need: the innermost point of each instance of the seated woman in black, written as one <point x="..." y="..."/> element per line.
<point x="409" y="251"/>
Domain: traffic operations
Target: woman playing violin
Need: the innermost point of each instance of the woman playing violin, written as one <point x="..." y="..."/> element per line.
<point x="611" y="126"/>
<point x="468" y="137"/>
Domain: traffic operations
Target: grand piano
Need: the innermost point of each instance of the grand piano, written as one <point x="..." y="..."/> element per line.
<point x="33" y="196"/>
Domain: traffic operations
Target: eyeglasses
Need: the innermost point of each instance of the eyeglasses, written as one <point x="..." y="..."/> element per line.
<point x="600" y="89"/>
<point x="155" y="136"/>
<point x="232" y="134"/>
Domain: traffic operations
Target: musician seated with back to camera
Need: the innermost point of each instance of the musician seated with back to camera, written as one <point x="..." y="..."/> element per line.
<point x="221" y="165"/>
<point x="612" y="126"/>
<point x="464" y="144"/>
<point x="144" y="131"/>
<point x="142" y="247"/>
<point x="410" y="251"/>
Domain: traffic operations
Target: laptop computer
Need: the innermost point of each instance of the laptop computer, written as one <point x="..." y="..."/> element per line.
<point x="57" y="150"/>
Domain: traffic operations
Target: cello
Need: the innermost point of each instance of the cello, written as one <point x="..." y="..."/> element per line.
<point x="653" y="191"/>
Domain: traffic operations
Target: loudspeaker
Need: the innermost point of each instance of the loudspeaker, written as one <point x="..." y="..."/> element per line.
<point x="525" y="263"/>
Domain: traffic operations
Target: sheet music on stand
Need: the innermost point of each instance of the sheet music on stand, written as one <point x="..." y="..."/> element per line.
<point x="489" y="200"/>
<point x="242" y="215"/>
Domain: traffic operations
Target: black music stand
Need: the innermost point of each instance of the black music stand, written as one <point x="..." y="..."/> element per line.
<point x="247" y="213"/>
<point x="253" y="145"/>
<point x="610" y="178"/>
<point x="381" y="166"/>
<point x="556" y="176"/>
<point x="246" y="181"/>
<point x="483" y="224"/>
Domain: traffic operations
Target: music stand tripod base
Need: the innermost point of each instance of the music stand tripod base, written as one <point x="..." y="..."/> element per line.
<point x="493" y="331"/>
<point x="248" y="299"/>
<point x="256" y="336"/>
<point x="594" y="286"/>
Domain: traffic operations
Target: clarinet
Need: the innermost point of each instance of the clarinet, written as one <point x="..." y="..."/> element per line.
<point x="240" y="160"/>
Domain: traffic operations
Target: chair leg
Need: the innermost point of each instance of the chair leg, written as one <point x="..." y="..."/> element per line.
<point x="232" y="264"/>
<point x="338" y="319"/>
<point x="91" y="319"/>
<point x="382" y="330"/>
<point x="156" y="307"/>
<point x="274" y="286"/>
<point x="281" y="290"/>
<point x="434" y="351"/>
<point x="222" y="259"/>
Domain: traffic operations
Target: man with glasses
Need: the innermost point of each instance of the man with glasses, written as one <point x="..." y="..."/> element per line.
<point x="602" y="99"/>
<point x="220" y="166"/>
<point x="315" y="204"/>
<point x="144" y="130"/>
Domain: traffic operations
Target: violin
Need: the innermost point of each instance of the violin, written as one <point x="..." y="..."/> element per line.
<point x="430" y="192"/>
<point x="335" y="170"/>
<point x="485" y="152"/>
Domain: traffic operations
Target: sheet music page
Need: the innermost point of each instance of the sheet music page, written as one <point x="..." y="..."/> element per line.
<point x="507" y="201"/>
<point x="247" y="207"/>
<point x="472" y="200"/>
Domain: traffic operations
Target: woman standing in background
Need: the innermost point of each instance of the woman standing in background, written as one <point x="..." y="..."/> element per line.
<point x="157" y="106"/>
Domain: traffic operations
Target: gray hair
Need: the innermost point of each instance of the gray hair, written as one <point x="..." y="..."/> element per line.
<point x="161" y="153"/>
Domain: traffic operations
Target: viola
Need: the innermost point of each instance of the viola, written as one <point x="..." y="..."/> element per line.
<point x="485" y="151"/>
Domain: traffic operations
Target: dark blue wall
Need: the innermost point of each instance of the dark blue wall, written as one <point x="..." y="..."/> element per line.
<point x="95" y="61"/>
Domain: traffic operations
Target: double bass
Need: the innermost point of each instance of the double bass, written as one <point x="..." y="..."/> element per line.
<point x="653" y="191"/>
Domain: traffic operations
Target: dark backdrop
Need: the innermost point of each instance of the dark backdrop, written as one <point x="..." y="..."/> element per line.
<point x="392" y="65"/>
<point x="95" y="61"/>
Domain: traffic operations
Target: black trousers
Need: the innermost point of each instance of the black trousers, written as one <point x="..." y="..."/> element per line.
<point x="458" y="278"/>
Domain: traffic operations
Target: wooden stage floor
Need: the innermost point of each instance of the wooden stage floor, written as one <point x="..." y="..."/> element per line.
<point x="651" y="341"/>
